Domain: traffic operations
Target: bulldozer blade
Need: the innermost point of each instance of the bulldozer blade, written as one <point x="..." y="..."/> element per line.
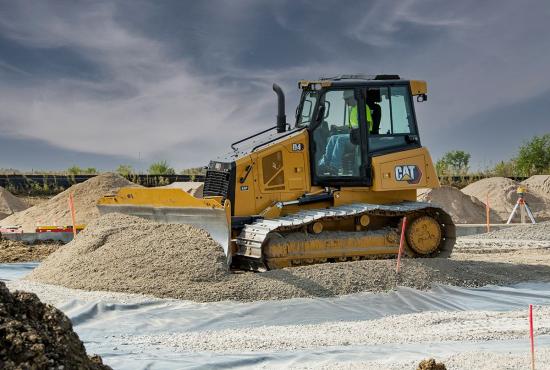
<point x="172" y="206"/>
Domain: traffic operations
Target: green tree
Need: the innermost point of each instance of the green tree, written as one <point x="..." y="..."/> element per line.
<point x="455" y="163"/>
<point x="125" y="170"/>
<point x="161" y="168"/>
<point x="74" y="170"/>
<point x="505" y="169"/>
<point x="534" y="156"/>
<point x="90" y="171"/>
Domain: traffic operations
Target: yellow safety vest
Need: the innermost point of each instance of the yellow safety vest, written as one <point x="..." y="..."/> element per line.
<point x="354" y="121"/>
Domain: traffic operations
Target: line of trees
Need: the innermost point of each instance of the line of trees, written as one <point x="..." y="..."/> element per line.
<point x="533" y="158"/>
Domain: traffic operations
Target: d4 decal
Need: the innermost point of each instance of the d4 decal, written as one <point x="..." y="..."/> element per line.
<point x="408" y="173"/>
<point x="297" y="147"/>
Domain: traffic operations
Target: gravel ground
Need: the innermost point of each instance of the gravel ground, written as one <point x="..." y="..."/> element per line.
<point x="425" y="327"/>
<point x="462" y="361"/>
<point x="130" y="255"/>
<point x="57" y="295"/>
<point x="540" y="231"/>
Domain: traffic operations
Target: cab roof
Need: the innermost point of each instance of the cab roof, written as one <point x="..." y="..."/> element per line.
<point x="418" y="87"/>
<point x="348" y="79"/>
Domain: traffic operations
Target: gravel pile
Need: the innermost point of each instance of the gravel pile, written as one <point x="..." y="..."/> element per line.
<point x="55" y="211"/>
<point x="34" y="335"/>
<point x="9" y="203"/>
<point x="15" y="251"/>
<point x="127" y="254"/>
<point x="540" y="231"/>
<point x="464" y="209"/>
<point x="503" y="197"/>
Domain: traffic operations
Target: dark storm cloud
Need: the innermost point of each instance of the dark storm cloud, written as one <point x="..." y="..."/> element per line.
<point x="166" y="79"/>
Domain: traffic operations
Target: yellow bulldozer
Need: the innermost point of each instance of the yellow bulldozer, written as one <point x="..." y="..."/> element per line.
<point x="333" y="187"/>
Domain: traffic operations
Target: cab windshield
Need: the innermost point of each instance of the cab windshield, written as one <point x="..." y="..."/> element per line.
<point x="304" y="113"/>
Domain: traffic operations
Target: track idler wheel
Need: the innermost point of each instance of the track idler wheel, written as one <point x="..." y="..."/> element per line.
<point x="424" y="235"/>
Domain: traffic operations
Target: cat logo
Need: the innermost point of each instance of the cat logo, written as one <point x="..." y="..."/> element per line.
<point x="408" y="173"/>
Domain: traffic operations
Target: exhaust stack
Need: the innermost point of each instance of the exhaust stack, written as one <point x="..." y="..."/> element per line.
<point x="281" y="116"/>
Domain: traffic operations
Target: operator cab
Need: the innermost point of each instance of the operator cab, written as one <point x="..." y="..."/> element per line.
<point x="353" y="118"/>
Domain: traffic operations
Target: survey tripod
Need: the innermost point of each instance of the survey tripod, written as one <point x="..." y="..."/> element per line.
<point x="523" y="208"/>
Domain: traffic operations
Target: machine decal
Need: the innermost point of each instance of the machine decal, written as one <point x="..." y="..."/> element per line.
<point x="244" y="188"/>
<point x="297" y="147"/>
<point x="408" y="173"/>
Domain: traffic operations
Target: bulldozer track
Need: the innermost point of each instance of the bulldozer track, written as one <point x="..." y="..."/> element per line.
<point x="253" y="237"/>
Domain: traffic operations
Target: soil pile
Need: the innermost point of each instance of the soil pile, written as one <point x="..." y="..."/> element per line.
<point x="503" y="197"/>
<point x="464" y="209"/>
<point x="55" y="211"/>
<point x="15" y="251"/>
<point x="430" y="364"/>
<point x="34" y="335"/>
<point x="10" y="204"/>
<point x="129" y="254"/>
<point x="539" y="184"/>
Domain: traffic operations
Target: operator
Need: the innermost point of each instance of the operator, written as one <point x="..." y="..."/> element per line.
<point x="353" y="120"/>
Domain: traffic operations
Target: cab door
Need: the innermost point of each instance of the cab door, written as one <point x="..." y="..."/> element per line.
<point x="338" y="136"/>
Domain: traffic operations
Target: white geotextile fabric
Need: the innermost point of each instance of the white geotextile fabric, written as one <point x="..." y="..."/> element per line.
<point x="99" y="323"/>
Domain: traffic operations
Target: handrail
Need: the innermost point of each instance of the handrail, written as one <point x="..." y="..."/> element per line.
<point x="250" y="137"/>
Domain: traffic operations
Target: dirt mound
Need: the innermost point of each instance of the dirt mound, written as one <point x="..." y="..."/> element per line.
<point x="55" y="211"/>
<point x="34" y="335"/>
<point x="9" y="203"/>
<point x="539" y="184"/>
<point x="14" y="251"/>
<point x="503" y="197"/>
<point x="430" y="364"/>
<point x="129" y="254"/>
<point x="464" y="209"/>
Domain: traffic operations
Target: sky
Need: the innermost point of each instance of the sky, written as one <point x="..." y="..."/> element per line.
<point x="104" y="83"/>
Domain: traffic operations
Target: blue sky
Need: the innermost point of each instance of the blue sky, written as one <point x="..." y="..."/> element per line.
<point x="99" y="84"/>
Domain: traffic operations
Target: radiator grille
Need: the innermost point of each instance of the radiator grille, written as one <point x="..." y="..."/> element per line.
<point x="217" y="183"/>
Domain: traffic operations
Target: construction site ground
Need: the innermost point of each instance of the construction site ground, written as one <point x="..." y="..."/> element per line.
<point x="144" y="295"/>
<point x="464" y="327"/>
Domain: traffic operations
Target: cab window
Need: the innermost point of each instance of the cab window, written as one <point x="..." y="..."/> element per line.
<point x="397" y="127"/>
<point x="337" y="148"/>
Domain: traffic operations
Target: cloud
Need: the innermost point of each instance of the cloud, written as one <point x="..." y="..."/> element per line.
<point x="147" y="102"/>
<point x="181" y="80"/>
